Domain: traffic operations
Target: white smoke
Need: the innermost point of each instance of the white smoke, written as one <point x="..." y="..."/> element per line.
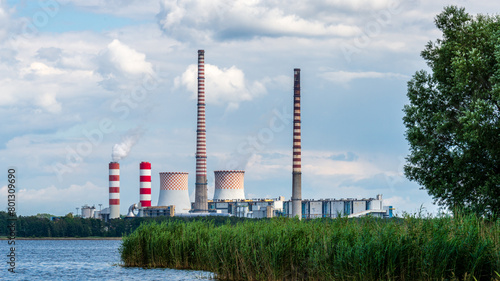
<point x="121" y="150"/>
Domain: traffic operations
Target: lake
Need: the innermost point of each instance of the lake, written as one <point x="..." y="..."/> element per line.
<point x="82" y="260"/>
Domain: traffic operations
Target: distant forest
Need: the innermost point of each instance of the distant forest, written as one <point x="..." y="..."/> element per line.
<point x="69" y="226"/>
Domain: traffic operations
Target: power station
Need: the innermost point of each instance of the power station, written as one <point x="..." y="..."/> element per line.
<point x="229" y="194"/>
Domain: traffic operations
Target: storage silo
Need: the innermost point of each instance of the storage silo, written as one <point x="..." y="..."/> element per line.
<point x="174" y="191"/>
<point x="229" y="185"/>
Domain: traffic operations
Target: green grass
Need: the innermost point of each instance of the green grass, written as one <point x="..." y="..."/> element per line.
<point x="412" y="248"/>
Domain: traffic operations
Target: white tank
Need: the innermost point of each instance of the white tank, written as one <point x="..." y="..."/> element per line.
<point x="174" y="191"/>
<point x="229" y="185"/>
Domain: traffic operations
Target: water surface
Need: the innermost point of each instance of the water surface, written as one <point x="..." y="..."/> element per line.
<point x="82" y="260"/>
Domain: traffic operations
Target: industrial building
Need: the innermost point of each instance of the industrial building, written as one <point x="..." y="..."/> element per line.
<point x="310" y="209"/>
<point x="248" y="208"/>
<point x="229" y="194"/>
<point x="333" y="208"/>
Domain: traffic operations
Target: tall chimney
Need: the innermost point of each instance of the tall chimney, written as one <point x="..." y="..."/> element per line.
<point x="145" y="184"/>
<point x="200" y="201"/>
<point x="114" y="190"/>
<point x="297" y="173"/>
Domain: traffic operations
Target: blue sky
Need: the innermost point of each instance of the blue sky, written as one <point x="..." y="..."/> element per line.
<point x="79" y="77"/>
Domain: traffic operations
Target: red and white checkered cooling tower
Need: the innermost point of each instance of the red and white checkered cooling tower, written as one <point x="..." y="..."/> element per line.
<point x="114" y="190"/>
<point x="229" y="185"/>
<point x="174" y="191"/>
<point x="145" y="184"/>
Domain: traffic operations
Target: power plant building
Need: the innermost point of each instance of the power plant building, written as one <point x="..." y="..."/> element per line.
<point x="333" y="208"/>
<point x="229" y="193"/>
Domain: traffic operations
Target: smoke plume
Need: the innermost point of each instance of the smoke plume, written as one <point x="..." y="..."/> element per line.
<point x="121" y="150"/>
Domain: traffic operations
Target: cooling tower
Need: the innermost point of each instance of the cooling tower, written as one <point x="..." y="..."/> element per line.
<point x="174" y="191"/>
<point x="145" y="184"/>
<point x="229" y="185"/>
<point x="297" y="173"/>
<point x="114" y="190"/>
<point x="200" y="202"/>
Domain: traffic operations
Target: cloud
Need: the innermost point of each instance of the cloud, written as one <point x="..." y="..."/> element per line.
<point x="226" y="20"/>
<point x="118" y="63"/>
<point x="41" y="69"/>
<point x="226" y="86"/>
<point x="4" y="20"/>
<point x="48" y="102"/>
<point x="57" y="200"/>
<point x="347" y="156"/>
<point x="344" y="77"/>
<point x="49" y="53"/>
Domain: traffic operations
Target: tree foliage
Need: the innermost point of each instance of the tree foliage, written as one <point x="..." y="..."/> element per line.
<point x="69" y="226"/>
<point x="453" y="119"/>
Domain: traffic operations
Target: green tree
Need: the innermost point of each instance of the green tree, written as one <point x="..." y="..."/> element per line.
<point x="452" y="121"/>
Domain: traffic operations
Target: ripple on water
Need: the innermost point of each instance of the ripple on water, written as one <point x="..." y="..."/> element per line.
<point x="84" y="260"/>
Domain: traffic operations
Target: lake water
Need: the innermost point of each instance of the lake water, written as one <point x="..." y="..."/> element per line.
<point x="81" y="260"/>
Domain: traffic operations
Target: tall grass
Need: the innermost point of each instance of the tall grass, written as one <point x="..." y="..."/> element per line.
<point x="413" y="248"/>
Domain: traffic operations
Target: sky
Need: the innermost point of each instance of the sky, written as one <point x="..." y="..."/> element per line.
<point x="80" y="79"/>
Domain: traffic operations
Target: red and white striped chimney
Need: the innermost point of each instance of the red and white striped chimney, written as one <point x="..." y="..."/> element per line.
<point x="145" y="184"/>
<point x="200" y="202"/>
<point x="297" y="172"/>
<point x="114" y="190"/>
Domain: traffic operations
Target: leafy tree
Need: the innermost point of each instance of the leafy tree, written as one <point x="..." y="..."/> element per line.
<point x="453" y="119"/>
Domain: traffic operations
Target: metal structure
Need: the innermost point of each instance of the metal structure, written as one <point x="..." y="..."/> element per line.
<point x="114" y="190"/>
<point x="145" y="184"/>
<point x="131" y="210"/>
<point x="297" y="172"/>
<point x="174" y="191"/>
<point x="201" y="153"/>
<point x="229" y="185"/>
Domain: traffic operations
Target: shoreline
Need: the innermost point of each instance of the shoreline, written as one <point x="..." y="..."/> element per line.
<point x="63" y="238"/>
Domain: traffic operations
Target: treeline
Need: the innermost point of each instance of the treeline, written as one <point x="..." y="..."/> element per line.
<point x="68" y="226"/>
<point x="463" y="247"/>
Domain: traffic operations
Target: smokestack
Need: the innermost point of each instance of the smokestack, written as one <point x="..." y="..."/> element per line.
<point x="229" y="185"/>
<point x="174" y="191"/>
<point x="114" y="190"/>
<point x="297" y="173"/>
<point x="200" y="202"/>
<point x="145" y="184"/>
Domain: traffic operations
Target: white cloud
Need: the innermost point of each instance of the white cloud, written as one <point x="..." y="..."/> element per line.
<point x="224" y="19"/>
<point x="48" y="102"/>
<point x="58" y="200"/>
<point x="320" y="164"/>
<point x="41" y="69"/>
<point x="226" y="86"/>
<point x="125" y="59"/>
<point x="344" y="77"/>
<point x="119" y="63"/>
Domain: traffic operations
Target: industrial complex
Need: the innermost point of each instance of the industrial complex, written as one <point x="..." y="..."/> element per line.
<point x="229" y="194"/>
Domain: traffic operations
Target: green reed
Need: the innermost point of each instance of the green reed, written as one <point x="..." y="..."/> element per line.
<point x="412" y="248"/>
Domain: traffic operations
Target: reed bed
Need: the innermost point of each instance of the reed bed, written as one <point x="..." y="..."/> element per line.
<point x="412" y="248"/>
